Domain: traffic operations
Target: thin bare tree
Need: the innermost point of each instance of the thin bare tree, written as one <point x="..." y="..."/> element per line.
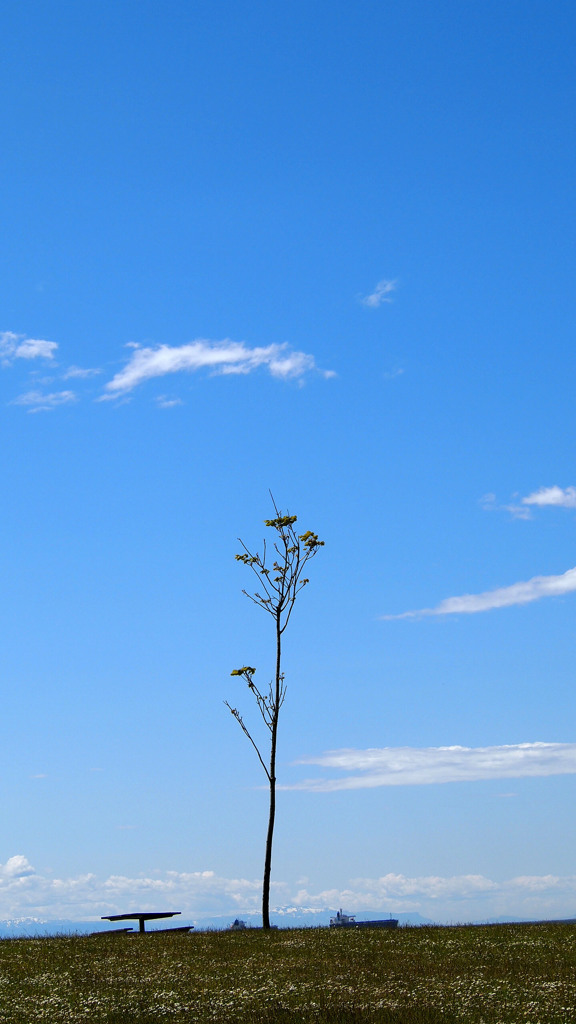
<point x="280" y="585"/>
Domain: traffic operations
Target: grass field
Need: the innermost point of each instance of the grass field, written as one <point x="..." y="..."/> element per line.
<point x="524" y="974"/>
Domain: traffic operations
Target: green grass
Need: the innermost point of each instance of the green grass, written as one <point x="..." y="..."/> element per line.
<point x="522" y="974"/>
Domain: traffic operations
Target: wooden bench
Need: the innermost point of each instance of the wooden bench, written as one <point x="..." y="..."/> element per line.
<point x="142" y="918"/>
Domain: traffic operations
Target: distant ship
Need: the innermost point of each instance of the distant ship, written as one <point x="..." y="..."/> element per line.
<point x="349" y="921"/>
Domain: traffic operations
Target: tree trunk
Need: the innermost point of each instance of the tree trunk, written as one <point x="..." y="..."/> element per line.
<point x="272" y="811"/>
<point x="268" y="857"/>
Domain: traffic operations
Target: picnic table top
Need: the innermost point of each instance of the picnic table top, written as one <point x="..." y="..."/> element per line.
<point x="140" y="917"/>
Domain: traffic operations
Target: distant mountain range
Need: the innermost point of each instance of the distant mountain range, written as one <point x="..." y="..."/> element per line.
<point x="283" y="917"/>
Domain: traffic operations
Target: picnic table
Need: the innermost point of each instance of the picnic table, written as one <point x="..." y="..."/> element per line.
<point x="142" y="918"/>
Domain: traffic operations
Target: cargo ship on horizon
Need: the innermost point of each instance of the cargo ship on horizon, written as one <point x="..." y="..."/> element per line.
<point x="349" y="921"/>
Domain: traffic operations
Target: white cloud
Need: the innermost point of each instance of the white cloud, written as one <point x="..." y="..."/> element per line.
<point x="23" y="892"/>
<point x="382" y="293"/>
<point x="415" y="766"/>
<point x="16" y="867"/>
<point x="17" y="346"/>
<point x="400" y="892"/>
<point x="226" y="357"/>
<point x="28" y="894"/>
<point x="40" y="402"/>
<point x="457" y="898"/>
<point x="35" y="349"/>
<point x="547" y="496"/>
<point x="503" y="597"/>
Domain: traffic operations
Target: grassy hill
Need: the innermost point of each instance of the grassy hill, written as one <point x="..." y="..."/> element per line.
<point x="501" y="974"/>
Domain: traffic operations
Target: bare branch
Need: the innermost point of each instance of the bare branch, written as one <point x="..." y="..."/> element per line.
<point x="240" y="720"/>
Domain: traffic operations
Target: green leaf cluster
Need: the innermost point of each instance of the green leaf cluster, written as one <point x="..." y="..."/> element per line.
<point x="281" y="522"/>
<point x="310" y="540"/>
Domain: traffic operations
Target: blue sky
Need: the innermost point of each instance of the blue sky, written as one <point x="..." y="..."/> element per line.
<point x="322" y="249"/>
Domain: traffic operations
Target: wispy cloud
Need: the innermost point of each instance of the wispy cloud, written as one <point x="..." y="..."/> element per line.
<point x="148" y="362"/>
<point x="80" y="372"/>
<point x="38" y="401"/>
<point x="545" y="497"/>
<point x="490" y="503"/>
<point x="416" y="766"/>
<point x="17" y="346"/>
<point x="518" y="593"/>
<point x="164" y="402"/>
<point x="382" y="293"/>
<point x="226" y="357"/>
